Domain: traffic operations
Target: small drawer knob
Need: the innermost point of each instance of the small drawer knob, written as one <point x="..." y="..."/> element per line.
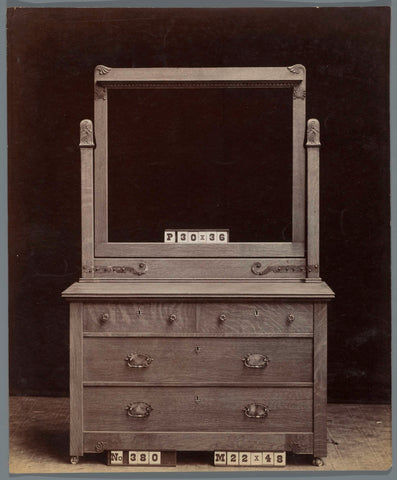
<point x="172" y="318"/>
<point x="290" y="318"/>
<point x="222" y="317"/>
<point x="104" y="317"/>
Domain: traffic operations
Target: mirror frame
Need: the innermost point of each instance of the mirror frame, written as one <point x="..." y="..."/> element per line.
<point x="293" y="77"/>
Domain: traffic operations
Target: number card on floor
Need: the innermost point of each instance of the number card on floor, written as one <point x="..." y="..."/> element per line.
<point x="141" y="458"/>
<point x="250" y="459"/>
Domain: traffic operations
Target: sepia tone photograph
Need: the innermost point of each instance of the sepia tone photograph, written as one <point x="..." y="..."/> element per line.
<point x="199" y="239"/>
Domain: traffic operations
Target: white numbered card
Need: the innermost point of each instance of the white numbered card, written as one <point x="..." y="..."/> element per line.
<point x="249" y="459"/>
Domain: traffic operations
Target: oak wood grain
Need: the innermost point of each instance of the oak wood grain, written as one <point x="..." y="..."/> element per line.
<point x="313" y="207"/>
<point x="298" y="159"/>
<point x="153" y="249"/>
<point x="200" y="441"/>
<point x="141" y="317"/>
<point x="198" y="360"/>
<point x="76" y="379"/>
<point x="195" y="268"/>
<point x="198" y="409"/>
<point x="205" y="74"/>
<point x="249" y="317"/>
<point x="87" y="206"/>
<point x="231" y="290"/>
<point x="320" y="380"/>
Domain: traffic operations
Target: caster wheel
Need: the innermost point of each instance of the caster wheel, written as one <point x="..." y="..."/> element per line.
<point x="318" y="462"/>
<point x="74" y="460"/>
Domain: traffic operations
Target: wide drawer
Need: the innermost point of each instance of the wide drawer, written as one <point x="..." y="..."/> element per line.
<point x="261" y="317"/>
<point x="198" y="409"/>
<point x="155" y="317"/>
<point x="194" y="360"/>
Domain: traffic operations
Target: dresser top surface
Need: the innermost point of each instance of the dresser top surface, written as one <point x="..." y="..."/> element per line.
<point x="237" y="289"/>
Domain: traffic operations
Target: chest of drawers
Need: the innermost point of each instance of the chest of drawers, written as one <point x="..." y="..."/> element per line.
<point x="198" y="346"/>
<point x="195" y="367"/>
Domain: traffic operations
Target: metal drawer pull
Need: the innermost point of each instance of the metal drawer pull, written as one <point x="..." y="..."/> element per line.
<point x="290" y="318"/>
<point x="256" y="360"/>
<point x="104" y="317"/>
<point x="222" y="317"/>
<point x="138" y="409"/>
<point x="138" y="360"/>
<point x="256" y="410"/>
<point x="172" y="317"/>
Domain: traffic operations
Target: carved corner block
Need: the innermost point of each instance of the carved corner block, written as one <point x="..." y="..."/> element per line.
<point x="299" y="90"/>
<point x="102" y="70"/>
<point x="86" y="134"/>
<point x="297" y="69"/>
<point x="313" y="133"/>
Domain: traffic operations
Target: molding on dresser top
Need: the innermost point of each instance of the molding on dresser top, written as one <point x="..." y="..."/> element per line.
<point x="205" y="289"/>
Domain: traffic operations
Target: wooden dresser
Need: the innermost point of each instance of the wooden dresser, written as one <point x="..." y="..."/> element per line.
<point x="194" y="359"/>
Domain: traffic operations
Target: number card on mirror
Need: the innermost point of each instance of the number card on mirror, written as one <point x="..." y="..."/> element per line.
<point x="196" y="236"/>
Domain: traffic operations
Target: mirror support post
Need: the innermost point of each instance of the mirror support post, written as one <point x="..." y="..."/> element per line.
<point x="87" y="197"/>
<point x="313" y="200"/>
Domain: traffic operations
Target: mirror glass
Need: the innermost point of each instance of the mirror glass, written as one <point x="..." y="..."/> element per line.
<point x="202" y="158"/>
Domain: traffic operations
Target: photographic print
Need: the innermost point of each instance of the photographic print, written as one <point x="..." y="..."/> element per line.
<point x="199" y="239"/>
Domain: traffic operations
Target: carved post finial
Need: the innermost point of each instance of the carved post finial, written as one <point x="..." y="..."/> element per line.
<point x="86" y="134"/>
<point x="313" y="133"/>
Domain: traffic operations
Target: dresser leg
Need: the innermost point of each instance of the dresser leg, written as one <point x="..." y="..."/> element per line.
<point x="318" y="462"/>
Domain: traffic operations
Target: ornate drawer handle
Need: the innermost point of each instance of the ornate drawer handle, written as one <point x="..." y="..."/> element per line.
<point x="256" y="360"/>
<point x="290" y="318"/>
<point x="222" y="317"/>
<point x="172" y="318"/>
<point x="104" y="317"/>
<point x="256" y="410"/>
<point x="138" y="409"/>
<point x="138" y="360"/>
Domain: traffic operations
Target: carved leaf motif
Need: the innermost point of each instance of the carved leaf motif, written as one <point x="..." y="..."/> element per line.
<point x="298" y="68"/>
<point x="102" y="70"/>
<point x="100" y="92"/>
<point x="299" y="93"/>
<point x="313" y="132"/>
<point x="86" y="136"/>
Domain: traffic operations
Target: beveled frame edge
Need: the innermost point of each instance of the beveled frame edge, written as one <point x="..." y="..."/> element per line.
<point x="242" y="77"/>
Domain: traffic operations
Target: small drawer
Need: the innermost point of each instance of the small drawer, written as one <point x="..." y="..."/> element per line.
<point x="201" y="409"/>
<point x="150" y="317"/>
<point x="198" y="360"/>
<point x="251" y="318"/>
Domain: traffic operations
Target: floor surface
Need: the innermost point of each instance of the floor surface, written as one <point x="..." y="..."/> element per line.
<point x="359" y="438"/>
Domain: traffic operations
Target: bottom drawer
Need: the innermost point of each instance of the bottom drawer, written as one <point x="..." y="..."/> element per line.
<point x="201" y="409"/>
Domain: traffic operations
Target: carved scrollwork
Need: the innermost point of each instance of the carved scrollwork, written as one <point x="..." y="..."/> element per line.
<point x="102" y="70"/>
<point x="313" y="133"/>
<point x="140" y="270"/>
<point x="257" y="266"/>
<point x="100" y="447"/>
<point x="86" y="134"/>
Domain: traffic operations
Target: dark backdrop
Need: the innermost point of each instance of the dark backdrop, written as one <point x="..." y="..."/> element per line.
<point x="51" y="57"/>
